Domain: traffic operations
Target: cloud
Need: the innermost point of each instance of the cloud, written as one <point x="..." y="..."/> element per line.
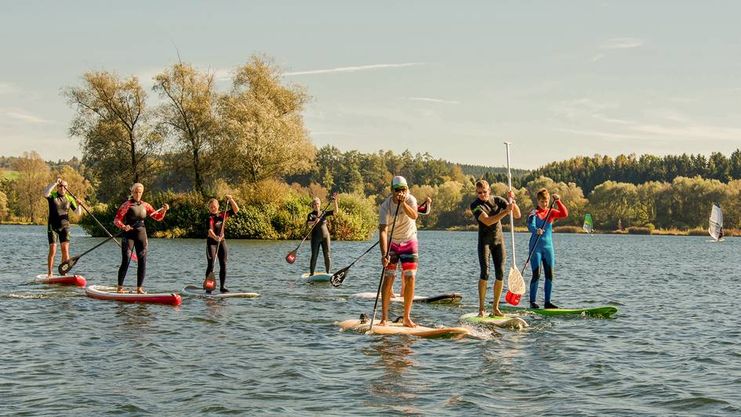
<point x="352" y="69"/>
<point x="25" y="117"/>
<point x="622" y="43"/>
<point x="433" y="100"/>
<point x="8" y="88"/>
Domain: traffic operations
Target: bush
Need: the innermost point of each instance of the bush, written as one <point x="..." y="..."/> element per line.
<point x="567" y="229"/>
<point x="697" y="232"/>
<point x="635" y="230"/>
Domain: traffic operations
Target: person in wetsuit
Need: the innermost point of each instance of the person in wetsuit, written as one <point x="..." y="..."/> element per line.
<point x="543" y="252"/>
<point x="488" y="212"/>
<point x="130" y="218"/>
<point x="60" y="204"/>
<point x="320" y="233"/>
<point x="215" y="226"/>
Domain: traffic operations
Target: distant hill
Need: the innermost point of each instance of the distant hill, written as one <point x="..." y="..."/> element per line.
<point x="479" y="171"/>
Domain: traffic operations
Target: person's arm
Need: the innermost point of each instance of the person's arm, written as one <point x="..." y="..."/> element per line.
<point x="118" y="219"/>
<point x="560" y="212"/>
<point x="515" y="209"/>
<point x="336" y="199"/>
<point x="233" y="204"/>
<point x="426" y="207"/>
<point x="49" y="189"/>
<point x="383" y="243"/>
<point x="531" y="222"/>
<point x="75" y="204"/>
<point x="491" y="220"/>
<point x="157" y="215"/>
<point x="410" y="210"/>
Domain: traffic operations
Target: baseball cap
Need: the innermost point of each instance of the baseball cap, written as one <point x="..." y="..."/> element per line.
<point x="399" y="182"/>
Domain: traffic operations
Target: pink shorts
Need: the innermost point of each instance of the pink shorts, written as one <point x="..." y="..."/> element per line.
<point x="406" y="252"/>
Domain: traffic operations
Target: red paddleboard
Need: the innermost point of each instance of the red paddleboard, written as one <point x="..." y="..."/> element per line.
<point x="109" y="293"/>
<point x="78" y="280"/>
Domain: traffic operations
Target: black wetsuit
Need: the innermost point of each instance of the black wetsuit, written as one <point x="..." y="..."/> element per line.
<point x="133" y="213"/>
<point x="58" y="220"/>
<point x="320" y="238"/>
<point x="491" y="238"/>
<point x="215" y="222"/>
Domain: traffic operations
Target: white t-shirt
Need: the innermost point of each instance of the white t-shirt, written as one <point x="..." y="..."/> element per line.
<point x="406" y="228"/>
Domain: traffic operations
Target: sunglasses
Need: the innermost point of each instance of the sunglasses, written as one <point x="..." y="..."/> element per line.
<point x="400" y="189"/>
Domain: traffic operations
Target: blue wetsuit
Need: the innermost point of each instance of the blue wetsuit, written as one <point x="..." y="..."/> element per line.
<point x="543" y="252"/>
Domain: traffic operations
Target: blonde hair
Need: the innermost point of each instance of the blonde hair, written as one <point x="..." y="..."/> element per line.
<point x="542" y="193"/>
<point x="482" y="183"/>
<point x="211" y="200"/>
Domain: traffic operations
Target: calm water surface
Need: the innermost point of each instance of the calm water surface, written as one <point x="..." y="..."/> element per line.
<point x="673" y="349"/>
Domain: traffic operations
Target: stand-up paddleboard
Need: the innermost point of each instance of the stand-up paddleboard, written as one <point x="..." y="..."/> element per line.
<point x="509" y="322"/>
<point x="78" y="280"/>
<point x="317" y="277"/>
<point x="602" y="311"/>
<point x="200" y="292"/>
<point x="398" y="328"/>
<point x="397" y="298"/>
<point x="109" y="293"/>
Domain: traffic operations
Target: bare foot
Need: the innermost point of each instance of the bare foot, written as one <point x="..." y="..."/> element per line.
<point x="120" y="289"/>
<point x="382" y="322"/>
<point x="409" y="323"/>
<point x="482" y="313"/>
<point x="497" y="313"/>
<point x="49" y="275"/>
<point x="140" y="290"/>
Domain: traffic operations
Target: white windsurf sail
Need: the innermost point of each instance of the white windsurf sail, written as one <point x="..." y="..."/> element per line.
<point x="716" y="222"/>
<point x="588" y="226"/>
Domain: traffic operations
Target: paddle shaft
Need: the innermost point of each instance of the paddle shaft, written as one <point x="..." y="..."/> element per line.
<point x="547" y="216"/>
<point x="383" y="269"/>
<point x="511" y="216"/>
<point x="92" y="215"/>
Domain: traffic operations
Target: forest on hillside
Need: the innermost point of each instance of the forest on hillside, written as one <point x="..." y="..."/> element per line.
<point x="250" y="141"/>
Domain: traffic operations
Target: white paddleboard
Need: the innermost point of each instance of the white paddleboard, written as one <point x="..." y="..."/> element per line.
<point x="506" y="321"/>
<point x="397" y="298"/>
<point x="200" y="292"/>
<point x="317" y="277"/>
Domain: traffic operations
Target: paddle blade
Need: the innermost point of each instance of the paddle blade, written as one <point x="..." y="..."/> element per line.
<point x="515" y="283"/>
<point x="512" y="298"/>
<point x="291" y="257"/>
<point x="65" y="266"/>
<point x="338" y="277"/>
<point x="209" y="284"/>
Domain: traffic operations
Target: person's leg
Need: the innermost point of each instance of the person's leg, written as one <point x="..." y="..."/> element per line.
<point x="408" y="277"/>
<point x="141" y="252"/>
<point x="127" y="245"/>
<point x="389" y="274"/>
<point x="52" y="239"/>
<point x="483" y="251"/>
<point x="535" y="261"/>
<point x="210" y="255"/>
<point x="325" y="252"/>
<point x="499" y="256"/>
<point x="315" y="243"/>
<point x="64" y="243"/>
<point x="222" y="266"/>
<point x="548" y="286"/>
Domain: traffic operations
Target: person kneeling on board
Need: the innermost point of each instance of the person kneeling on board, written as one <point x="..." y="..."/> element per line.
<point x="130" y="218"/>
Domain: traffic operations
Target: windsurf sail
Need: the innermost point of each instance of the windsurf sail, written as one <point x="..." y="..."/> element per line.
<point x="588" y="226"/>
<point x="716" y="222"/>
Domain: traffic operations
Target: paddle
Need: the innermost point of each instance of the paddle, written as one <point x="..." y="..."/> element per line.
<point x="65" y="266"/>
<point x="545" y="221"/>
<point x="339" y="276"/>
<point x="383" y="269"/>
<point x="133" y="255"/>
<point x="291" y="256"/>
<point x="515" y="283"/>
<point x="209" y="284"/>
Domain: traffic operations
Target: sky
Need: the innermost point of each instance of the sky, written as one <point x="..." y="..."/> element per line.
<point x="456" y="79"/>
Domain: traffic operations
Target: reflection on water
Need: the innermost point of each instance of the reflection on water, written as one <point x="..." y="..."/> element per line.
<point x="392" y="388"/>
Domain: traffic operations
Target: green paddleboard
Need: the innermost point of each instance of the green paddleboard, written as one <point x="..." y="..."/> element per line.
<point x="510" y="322"/>
<point x="601" y="312"/>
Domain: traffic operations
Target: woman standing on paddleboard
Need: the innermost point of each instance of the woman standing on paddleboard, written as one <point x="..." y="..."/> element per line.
<point x="215" y="225"/>
<point x="130" y="218"/>
<point x="320" y="233"/>
<point x="540" y="223"/>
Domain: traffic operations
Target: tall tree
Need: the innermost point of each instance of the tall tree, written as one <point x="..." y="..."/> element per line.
<point x="119" y="141"/>
<point x="262" y="126"/>
<point x="33" y="177"/>
<point x="189" y="115"/>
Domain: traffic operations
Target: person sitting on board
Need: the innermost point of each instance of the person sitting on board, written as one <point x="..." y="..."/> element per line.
<point x="130" y="218"/>
<point x="488" y="211"/>
<point x="543" y="253"/>
<point x="60" y="203"/>
<point x="397" y="215"/>
<point x="320" y="232"/>
<point x="215" y="234"/>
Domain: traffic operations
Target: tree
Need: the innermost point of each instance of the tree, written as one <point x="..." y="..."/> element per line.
<point x="33" y="177"/>
<point x="263" y="131"/>
<point x="118" y="140"/>
<point x="189" y="115"/>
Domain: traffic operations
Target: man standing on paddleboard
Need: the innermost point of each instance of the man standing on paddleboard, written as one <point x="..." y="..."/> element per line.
<point x="399" y="212"/>
<point x="130" y="218"/>
<point x="488" y="212"/>
<point x="60" y="203"/>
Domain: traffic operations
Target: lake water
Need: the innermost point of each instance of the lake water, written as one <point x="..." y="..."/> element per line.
<point x="673" y="348"/>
